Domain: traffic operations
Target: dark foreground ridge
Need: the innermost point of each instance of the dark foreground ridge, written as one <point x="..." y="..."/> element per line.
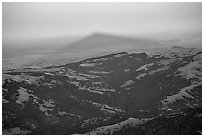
<point x="188" y="122"/>
<point x="113" y="94"/>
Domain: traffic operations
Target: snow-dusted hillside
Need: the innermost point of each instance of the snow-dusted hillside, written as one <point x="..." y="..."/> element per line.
<point x="108" y="130"/>
<point x="99" y="90"/>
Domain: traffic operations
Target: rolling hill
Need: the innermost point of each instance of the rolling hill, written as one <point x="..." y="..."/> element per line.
<point x="109" y="43"/>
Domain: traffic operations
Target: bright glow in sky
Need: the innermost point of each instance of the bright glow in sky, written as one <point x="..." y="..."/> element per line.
<point x="36" y="20"/>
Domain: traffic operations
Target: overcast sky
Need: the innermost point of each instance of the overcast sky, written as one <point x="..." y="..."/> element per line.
<point x="36" y="20"/>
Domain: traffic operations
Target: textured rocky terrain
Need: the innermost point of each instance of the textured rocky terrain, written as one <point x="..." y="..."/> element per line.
<point x="118" y="93"/>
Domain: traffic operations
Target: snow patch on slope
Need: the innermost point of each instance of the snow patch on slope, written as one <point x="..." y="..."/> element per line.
<point x="99" y="72"/>
<point x="158" y="70"/>
<point x="94" y="121"/>
<point x="23" y="96"/>
<point x="108" y="130"/>
<point x="46" y="107"/>
<point x="105" y="108"/>
<point x="120" y="55"/>
<point x="87" y="65"/>
<point x="90" y="90"/>
<point x="140" y="76"/>
<point x="145" y="67"/>
<point x="127" y="83"/>
<point x="192" y="70"/>
<point x="23" y="78"/>
<point x="15" y="131"/>
<point x="4" y="100"/>
<point x="89" y="76"/>
<point x="97" y="90"/>
<point x="126" y="70"/>
<point x="182" y="94"/>
<point x="47" y="73"/>
<point x="101" y="59"/>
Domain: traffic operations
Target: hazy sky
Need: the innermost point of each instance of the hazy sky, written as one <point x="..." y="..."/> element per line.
<point x="35" y="20"/>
